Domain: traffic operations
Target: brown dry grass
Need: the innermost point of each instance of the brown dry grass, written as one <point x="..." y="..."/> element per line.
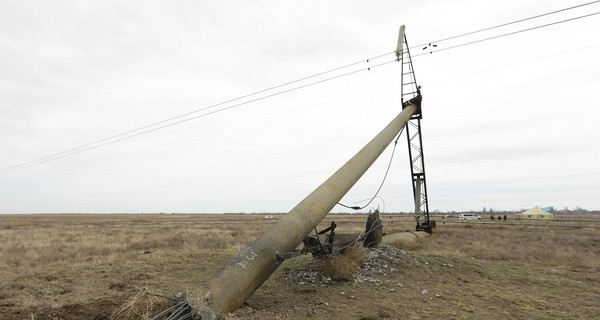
<point x="27" y="243"/>
<point x="144" y="305"/>
<point x="49" y="261"/>
<point x="87" y="266"/>
<point x="343" y="266"/>
<point x="573" y="248"/>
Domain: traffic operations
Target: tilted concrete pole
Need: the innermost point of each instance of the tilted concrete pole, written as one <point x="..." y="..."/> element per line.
<point x="235" y="282"/>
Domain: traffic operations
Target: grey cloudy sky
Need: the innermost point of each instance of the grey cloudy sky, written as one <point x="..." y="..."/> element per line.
<point x="508" y="123"/>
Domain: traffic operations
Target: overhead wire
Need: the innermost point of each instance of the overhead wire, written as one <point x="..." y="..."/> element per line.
<point x="382" y="181"/>
<point x="506" y="24"/>
<point x="155" y="126"/>
<point x="469" y="43"/>
<point x="506" y="34"/>
<point x="150" y="128"/>
<point x="512" y="64"/>
<point x="108" y="140"/>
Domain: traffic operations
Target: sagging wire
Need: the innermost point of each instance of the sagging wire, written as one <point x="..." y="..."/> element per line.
<point x="382" y="181"/>
<point x="153" y="127"/>
<point x="363" y="235"/>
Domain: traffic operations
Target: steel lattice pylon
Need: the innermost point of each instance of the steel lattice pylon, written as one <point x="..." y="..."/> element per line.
<point x="411" y="94"/>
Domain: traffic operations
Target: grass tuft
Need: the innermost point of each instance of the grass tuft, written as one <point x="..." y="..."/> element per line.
<point x="142" y="306"/>
<point x="343" y="267"/>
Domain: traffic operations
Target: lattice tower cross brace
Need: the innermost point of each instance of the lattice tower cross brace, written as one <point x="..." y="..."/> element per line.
<point x="411" y="94"/>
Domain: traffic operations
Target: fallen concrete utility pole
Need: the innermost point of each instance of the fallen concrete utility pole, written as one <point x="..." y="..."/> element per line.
<point x="235" y="282"/>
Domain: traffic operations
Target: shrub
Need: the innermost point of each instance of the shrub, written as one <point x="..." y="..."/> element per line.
<point x="343" y="267"/>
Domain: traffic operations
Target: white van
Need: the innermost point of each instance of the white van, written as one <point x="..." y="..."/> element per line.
<point x="469" y="216"/>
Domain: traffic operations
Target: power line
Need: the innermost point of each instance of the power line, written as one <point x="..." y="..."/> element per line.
<point x="131" y="133"/>
<point x="142" y="130"/>
<point x="506" y="24"/>
<point x="138" y="132"/>
<point x="511" y="65"/>
<point x="382" y="181"/>
<point x="195" y="111"/>
<point x="507" y="34"/>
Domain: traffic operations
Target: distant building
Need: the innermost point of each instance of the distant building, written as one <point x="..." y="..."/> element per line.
<point x="535" y="214"/>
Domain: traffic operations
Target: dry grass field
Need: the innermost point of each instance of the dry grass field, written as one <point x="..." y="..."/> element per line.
<point x="87" y="266"/>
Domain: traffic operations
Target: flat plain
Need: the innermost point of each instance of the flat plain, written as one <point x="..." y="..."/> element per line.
<point x="87" y="266"/>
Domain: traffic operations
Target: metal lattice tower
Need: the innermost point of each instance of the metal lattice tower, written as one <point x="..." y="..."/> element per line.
<point x="411" y="94"/>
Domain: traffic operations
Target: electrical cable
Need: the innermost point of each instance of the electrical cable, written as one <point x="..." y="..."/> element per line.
<point x="130" y="134"/>
<point x="85" y="146"/>
<point x="363" y="235"/>
<point x="135" y="134"/>
<point x="511" y="65"/>
<point x="507" y="34"/>
<point x="506" y="24"/>
<point x="382" y="181"/>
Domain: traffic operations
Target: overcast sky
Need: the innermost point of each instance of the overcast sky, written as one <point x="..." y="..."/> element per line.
<point x="508" y="123"/>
